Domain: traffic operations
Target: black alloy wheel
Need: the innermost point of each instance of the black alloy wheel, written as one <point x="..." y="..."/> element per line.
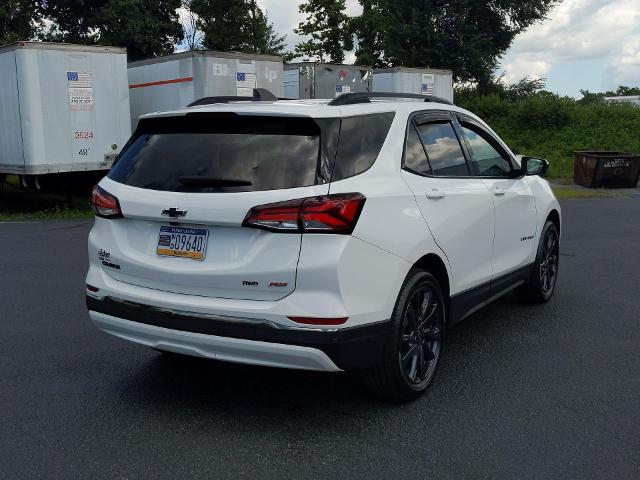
<point x="549" y="262"/>
<point x="542" y="280"/>
<point x="421" y="335"/>
<point x="414" y="345"/>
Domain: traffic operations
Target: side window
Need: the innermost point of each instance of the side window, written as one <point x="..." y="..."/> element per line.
<point x="415" y="159"/>
<point x="443" y="149"/>
<point x="361" y="139"/>
<point x="489" y="159"/>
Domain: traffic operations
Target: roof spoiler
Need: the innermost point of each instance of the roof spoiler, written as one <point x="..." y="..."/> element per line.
<point x="259" y="95"/>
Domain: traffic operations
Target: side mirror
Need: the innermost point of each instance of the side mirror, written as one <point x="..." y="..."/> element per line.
<point x="534" y="166"/>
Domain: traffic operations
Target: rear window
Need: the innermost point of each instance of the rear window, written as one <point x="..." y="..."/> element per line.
<point x="224" y="153"/>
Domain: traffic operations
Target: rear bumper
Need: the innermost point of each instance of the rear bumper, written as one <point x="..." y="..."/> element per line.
<point x="240" y="340"/>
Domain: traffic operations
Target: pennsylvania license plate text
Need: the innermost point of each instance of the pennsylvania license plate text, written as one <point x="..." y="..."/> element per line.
<point x="183" y="242"/>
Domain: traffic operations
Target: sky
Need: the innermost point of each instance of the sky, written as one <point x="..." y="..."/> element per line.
<point x="583" y="44"/>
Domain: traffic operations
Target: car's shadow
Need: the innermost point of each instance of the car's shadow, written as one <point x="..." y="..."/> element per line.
<point x="209" y="386"/>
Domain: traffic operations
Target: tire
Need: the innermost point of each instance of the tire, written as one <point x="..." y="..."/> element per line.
<point x="412" y="350"/>
<point x="544" y="274"/>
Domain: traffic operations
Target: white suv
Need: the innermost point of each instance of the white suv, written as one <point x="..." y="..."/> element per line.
<point x="319" y="235"/>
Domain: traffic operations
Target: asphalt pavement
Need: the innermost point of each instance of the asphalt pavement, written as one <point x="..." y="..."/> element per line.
<point x="544" y="392"/>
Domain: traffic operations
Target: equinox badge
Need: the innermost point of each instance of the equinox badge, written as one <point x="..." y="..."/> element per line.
<point x="174" y="212"/>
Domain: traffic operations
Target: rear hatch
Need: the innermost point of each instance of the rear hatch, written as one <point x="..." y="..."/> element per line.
<point x="185" y="184"/>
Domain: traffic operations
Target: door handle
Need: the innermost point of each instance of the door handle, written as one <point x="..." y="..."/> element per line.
<point x="498" y="192"/>
<point x="435" y="194"/>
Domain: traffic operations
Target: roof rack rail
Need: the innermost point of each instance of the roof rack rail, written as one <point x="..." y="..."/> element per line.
<point x="365" y="97"/>
<point x="259" y="95"/>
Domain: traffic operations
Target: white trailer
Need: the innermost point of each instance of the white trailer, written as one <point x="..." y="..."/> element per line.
<point x="324" y="80"/>
<point x="425" y="81"/>
<point x="63" y="108"/>
<point x="632" y="99"/>
<point x="174" y="81"/>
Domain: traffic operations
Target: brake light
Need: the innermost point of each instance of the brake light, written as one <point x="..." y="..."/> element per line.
<point x="327" y="214"/>
<point x="104" y="204"/>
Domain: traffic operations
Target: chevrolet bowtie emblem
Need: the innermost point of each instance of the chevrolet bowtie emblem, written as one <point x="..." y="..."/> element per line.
<point x="174" y="212"/>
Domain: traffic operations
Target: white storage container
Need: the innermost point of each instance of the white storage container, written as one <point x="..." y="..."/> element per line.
<point x="632" y="99"/>
<point x="414" y="80"/>
<point x="324" y="80"/>
<point x="174" y="81"/>
<point x="63" y="108"/>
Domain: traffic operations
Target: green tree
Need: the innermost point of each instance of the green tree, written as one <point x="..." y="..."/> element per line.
<point x="236" y="25"/>
<point x="622" y="90"/>
<point x="329" y="29"/>
<point x="222" y="23"/>
<point x="466" y="36"/>
<point x="18" y="20"/>
<point x="261" y="35"/>
<point x="71" y="21"/>
<point x="523" y="89"/>
<point x="369" y="27"/>
<point x="599" y="97"/>
<point x="147" y="28"/>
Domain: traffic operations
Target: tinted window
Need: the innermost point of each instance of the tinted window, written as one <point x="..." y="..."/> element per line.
<point x="414" y="157"/>
<point x="361" y="139"/>
<point x="261" y="153"/>
<point x="443" y="149"/>
<point x="489" y="161"/>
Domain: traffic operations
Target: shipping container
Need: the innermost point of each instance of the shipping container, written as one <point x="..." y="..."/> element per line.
<point x="63" y="108"/>
<point x="425" y="81"/>
<point x="174" y="81"/>
<point x="324" y="80"/>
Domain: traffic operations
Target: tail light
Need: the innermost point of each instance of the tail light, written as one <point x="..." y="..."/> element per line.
<point x="104" y="204"/>
<point x="327" y="214"/>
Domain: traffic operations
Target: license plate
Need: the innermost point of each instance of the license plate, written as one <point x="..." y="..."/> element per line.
<point x="183" y="242"/>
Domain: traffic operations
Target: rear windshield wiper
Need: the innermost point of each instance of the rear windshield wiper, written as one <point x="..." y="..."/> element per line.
<point x="206" y="182"/>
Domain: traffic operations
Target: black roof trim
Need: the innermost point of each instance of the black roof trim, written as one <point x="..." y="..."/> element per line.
<point x="259" y="95"/>
<point x="365" y="97"/>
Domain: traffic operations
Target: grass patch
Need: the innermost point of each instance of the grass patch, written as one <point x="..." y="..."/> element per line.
<point x="564" y="193"/>
<point x="18" y="205"/>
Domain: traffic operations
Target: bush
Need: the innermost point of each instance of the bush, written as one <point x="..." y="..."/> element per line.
<point x="553" y="127"/>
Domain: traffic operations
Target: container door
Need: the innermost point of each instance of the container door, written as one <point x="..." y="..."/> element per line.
<point x="80" y="79"/>
<point x="292" y="84"/>
<point x="11" y="154"/>
<point x="333" y="80"/>
<point x="246" y="77"/>
<point x="270" y="76"/>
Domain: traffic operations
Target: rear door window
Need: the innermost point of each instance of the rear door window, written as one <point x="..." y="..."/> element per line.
<point x="224" y="153"/>
<point x="443" y="149"/>
<point x="415" y="158"/>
